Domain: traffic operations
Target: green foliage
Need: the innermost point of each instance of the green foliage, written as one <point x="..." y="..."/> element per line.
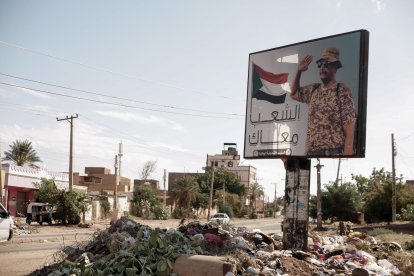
<point x="104" y="203"/>
<point x="145" y="200"/>
<point x="21" y="152"/>
<point x="407" y="213"/>
<point x="337" y="201"/>
<point x="409" y="245"/>
<point x="253" y="215"/>
<point x="180" y="213"/>
<point x="160" y="212"/>
<point x="376" y="192"/>
<point x="69" y="204"/>
<point x="47" y="191"/>
<point x="185" y="192"/>
<point x="255" y="192"/>
<point x="200" y="202"/>
<point x="227" y="208"/>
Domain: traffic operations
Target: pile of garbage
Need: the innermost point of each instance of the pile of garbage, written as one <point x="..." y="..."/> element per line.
<point x="129" y="248"/>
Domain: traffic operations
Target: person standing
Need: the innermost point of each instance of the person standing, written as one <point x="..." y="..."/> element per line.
<point x="331" y="116"/>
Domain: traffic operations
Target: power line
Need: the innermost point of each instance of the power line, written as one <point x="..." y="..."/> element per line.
<point x="118" y="98"/>
<point x="108" y="70"/>
<point x="114" y="104"/>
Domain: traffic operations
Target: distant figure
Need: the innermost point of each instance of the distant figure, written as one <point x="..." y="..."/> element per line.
<point x="331" y="117"/>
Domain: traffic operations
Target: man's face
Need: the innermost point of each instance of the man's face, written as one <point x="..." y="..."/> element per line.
<point x="327" y="71"/>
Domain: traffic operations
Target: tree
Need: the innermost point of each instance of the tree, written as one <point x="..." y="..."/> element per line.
<point x="256" y="191"/>
<point x="184" y="193"/>
<point x="69" y="205"/>
<point x="22" y="153"/>
<point x="148" y="168"/>
<point x="377" y="191"/>
<point x="145" y="199"/>
<point x="338" y="201"/>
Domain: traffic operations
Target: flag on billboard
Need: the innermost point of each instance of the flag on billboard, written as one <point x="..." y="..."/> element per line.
<point x="262" y="85"/>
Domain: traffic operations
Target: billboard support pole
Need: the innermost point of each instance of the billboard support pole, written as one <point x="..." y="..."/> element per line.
<point x="296" y="204"/>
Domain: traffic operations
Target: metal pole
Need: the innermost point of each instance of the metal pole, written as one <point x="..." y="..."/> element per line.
<point x="394" y="199"/>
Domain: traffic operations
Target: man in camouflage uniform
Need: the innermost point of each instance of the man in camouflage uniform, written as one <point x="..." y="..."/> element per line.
<point x="331" y="117"/>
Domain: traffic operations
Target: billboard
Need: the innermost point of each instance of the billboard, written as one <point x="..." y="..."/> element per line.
<point x="308" y="99"/>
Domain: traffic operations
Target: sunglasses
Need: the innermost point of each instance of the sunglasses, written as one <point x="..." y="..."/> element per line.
<point x="323" y="63"/>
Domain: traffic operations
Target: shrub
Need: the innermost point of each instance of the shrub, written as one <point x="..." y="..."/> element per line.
<point x="409" y="245"/>
<point x="160" y="212"/>
<point x="407" y="213"/>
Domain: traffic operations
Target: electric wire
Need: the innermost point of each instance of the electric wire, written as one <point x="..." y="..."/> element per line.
<point x="110" y="71"/>
<point x="118" y="98"/>
<point x="114" y="104"/>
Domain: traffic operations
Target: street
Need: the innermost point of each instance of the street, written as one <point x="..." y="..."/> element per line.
<point x="26" y="253"/>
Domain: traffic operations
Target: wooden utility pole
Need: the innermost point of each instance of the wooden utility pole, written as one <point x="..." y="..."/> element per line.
<point x="70" y="120"/>
<point x="394" y="195"/>
<point x="319" y="195"/>
<point x="210" y="201"/>
<point x="275" y="203"/>
<point x="165" y="191"/>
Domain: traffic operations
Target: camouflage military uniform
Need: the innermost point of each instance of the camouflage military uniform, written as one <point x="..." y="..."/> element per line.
<point x="329" y="110"/>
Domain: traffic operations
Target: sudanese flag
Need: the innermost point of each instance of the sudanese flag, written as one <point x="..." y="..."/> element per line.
<point x="261" y="91"/>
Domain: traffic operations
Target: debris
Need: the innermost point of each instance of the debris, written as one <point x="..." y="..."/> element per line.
<point x="130" y="248"/>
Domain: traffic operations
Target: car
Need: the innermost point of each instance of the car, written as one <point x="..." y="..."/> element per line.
<point x="6" y="224"/>
<point x="220" y="218"/>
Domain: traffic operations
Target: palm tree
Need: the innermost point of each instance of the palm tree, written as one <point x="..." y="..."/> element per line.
<point x="184" y="192"/>
<point x="256" y="191"/>
<point x="22" y="153"/>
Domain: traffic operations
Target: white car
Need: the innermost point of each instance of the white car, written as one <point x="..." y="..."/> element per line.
<point x="220" y="218"/>
<point x="6" y="224"/>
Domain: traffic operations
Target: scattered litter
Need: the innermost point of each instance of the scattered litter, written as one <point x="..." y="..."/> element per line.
<point x="129" y="248"/>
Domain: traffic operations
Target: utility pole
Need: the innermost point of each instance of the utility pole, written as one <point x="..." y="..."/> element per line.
<point x="394" y="195"/>
<point x="116" y="183"/>
<point x="165" y="191"/>
<point x="337" y="173"/>
<point x="319" y="195"/>
<point x="120" y="154"/>
<point x="210" y="201"/>
<point x="70" y="120"/>
<point x="275" y="203"/>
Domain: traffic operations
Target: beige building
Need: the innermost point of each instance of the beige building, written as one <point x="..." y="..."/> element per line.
<point x="230" y="160"/>
<point x="100" y="179"/>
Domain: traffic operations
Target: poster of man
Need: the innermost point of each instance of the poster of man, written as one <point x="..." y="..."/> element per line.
<point x="308" y="99"/>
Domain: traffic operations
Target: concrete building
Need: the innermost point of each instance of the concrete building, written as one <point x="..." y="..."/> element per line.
<point x="19" y="185"/>
<point x="99" y="179"/>
<point x="230" y="160"/>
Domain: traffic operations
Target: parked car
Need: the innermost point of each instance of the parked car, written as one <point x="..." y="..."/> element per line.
<point x="40" y="212"/>
<point x="220" y="218"/>
<point x="6" y="224"/>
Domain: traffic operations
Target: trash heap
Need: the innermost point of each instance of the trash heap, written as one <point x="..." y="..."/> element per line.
<point x="129" y="248"/>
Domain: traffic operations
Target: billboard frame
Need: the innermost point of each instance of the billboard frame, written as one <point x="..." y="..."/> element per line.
<point x="361" y="109"/>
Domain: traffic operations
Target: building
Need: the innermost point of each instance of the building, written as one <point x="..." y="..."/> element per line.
<point x="19" y="185"/>
<point x="99" y="179"/>
<point x="230" y="160"/>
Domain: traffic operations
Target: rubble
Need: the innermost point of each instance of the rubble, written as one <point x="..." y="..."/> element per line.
<point x="129" y="248"/>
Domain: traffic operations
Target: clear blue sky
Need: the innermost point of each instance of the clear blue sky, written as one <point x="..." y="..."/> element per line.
<point x="186" y="57"/>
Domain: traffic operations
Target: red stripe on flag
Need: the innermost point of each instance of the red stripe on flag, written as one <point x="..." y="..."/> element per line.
<point x="270" y="77"/>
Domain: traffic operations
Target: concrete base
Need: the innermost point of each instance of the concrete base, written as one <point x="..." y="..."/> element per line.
<point x="200" y="265"/>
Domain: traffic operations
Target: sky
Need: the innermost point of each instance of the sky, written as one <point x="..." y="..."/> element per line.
<point x="169" y="79"/>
